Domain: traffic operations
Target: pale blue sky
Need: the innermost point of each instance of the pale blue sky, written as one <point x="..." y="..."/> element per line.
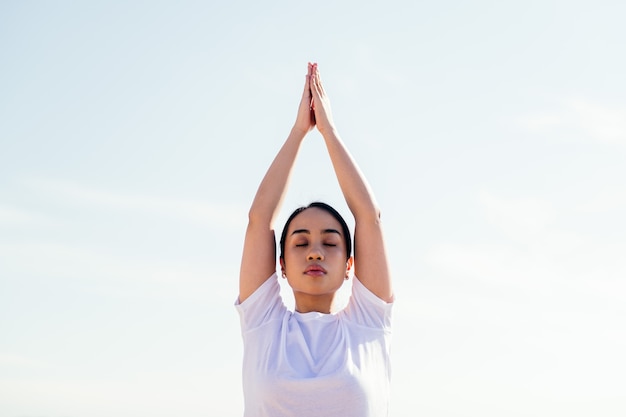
<point x="133" y="136"/>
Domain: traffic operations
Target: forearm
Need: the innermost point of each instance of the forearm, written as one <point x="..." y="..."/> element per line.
<point x="273" y="187"/>
<point x="356" y="190"/>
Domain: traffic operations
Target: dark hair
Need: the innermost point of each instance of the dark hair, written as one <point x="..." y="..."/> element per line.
<point x="326" y="208"/>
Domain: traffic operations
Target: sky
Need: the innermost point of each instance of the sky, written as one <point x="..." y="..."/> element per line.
<point x="133" y="136"/>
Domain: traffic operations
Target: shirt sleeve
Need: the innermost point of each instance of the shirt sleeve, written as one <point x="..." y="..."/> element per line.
<point x="366" y="309"/>
<point x="262" y="306"/>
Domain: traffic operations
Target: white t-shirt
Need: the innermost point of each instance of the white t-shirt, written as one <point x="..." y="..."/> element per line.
<point x="315" y="364"/>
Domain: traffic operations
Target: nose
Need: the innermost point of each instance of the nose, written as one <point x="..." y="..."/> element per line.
<point x="315" y="254"/>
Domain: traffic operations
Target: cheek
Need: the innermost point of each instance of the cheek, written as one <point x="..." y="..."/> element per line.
<point x="338" y="258"/>
<point x="288" y="259"/>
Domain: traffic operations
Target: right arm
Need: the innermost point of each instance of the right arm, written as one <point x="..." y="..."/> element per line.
<point x="258" y="261"/>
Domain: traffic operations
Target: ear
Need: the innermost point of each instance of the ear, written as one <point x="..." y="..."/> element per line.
<point x="282" y="267"/>
<point x="349" y="265"/>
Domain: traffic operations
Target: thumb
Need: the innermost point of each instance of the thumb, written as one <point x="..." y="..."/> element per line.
<point x="307" y="83"/>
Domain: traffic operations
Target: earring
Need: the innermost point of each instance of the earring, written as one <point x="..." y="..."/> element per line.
<point x="284" y="274"/>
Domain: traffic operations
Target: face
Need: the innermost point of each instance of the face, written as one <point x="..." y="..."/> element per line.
<point x="315" y="254"/>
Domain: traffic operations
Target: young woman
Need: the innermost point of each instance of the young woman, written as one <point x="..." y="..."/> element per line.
<point x="315" y="361"/>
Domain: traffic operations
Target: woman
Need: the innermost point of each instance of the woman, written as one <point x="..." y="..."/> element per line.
<point x="313" y="361"/>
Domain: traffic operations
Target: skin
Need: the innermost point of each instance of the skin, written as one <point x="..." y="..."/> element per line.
<point x="259" y="253"/>
<point x="314" y="261"/>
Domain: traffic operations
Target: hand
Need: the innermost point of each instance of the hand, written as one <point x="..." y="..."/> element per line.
<point x="305" y="119"/>
<point x="320" y="104"/>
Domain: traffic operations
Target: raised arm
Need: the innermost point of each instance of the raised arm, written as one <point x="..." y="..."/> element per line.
<point x="259" y="251"/>
<point x="370" y="258"/>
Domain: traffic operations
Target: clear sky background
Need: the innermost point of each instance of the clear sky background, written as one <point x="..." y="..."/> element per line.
<point x="133" y="136"/>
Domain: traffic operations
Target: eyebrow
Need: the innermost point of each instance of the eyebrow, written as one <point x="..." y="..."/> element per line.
<point x="308" y="232"/>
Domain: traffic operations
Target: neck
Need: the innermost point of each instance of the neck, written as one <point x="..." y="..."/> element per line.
<point x="307" y="303"/>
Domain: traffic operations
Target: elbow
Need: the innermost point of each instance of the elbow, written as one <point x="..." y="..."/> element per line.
<point x="377" y="213"/>
<point x="254" y="216"/>
<point x="374" y="215"/>
<point x="377" y="216"/>
<point x="374" y="210"/>
<point x="258" y="217"/>
<point x="371" y="215"/>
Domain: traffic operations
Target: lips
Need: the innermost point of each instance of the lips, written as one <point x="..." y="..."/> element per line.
<point x="314" y="270"/>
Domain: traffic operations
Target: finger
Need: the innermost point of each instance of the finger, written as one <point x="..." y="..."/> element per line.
<point x="307" y="85"/>
<point x="309" y="93"/>
<point x="316" y="88"/>
<point x="319" y="82"/>
<point x="312" y="86"/>
<point x="314" y="77"/>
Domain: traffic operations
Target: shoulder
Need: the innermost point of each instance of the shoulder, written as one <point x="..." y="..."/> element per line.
<point x="263" y="305"/>
<point x="367" y="309"/>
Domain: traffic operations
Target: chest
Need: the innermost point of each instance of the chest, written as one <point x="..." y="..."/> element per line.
<point x="331" y="368"/>
<point x="301" y="350"/>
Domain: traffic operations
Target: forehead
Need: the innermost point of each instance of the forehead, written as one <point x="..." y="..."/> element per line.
<point x="314" y="219"/>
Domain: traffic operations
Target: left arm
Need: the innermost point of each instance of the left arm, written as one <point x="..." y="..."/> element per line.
<point x="370" y="257"/>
